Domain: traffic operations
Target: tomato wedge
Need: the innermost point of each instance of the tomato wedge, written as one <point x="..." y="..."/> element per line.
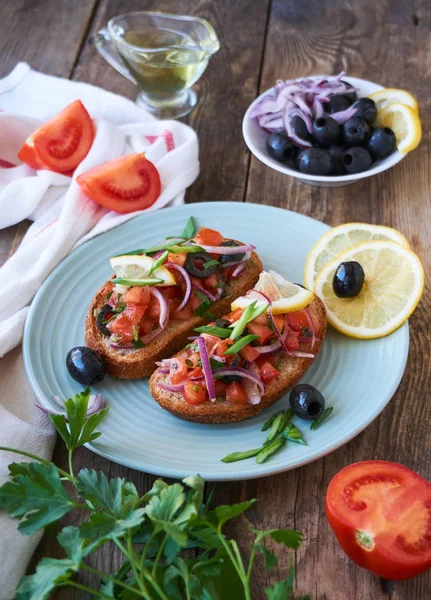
<point x="380" y="513"/>
<point x="61" y="143"/>
<point x="124" y="185"/>
<point x="209" y="237"/>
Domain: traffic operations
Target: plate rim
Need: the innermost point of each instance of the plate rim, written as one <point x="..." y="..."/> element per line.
<point x="258" y="471"/>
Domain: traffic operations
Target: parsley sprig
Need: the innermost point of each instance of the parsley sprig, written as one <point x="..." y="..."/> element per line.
<point x="173" y="543"/>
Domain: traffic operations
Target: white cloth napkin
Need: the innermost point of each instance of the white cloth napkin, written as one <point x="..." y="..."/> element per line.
<point x="62" y="219"/>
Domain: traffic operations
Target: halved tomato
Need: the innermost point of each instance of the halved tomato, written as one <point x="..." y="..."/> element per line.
<point x="380" y="513"/>
<point x="124" y="185"/>
<point x="209" y="237"/>
<point x="61" y="143"/>
<point x="195" y="393"/>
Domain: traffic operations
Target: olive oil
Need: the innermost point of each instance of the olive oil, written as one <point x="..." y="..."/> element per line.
<point x="162" y="62"/>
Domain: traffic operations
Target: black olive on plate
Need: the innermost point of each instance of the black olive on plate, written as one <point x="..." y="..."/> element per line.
<point x="356" y="160"/>
<point x="222" y="323"/>
<point x="103" y="315"/>
<point x="315" y="161"/>
<point x="365" y="109"/>
<point x="326" y="131"/>
<point x="281" y="148"/>
<point x="300" y="128"/>
<point x="348" y="279"/>
<point x="355" y="132"/>
<point x="337" y="153"/>
<point x="307" y="402"/>
<point x="225" y="259"/>
<point x="85" y="365"/>
<point x="381" y="143"/>
<point x="337" y="103"/>
<point x="194" y="264"/>
<point x="350" y="96"/>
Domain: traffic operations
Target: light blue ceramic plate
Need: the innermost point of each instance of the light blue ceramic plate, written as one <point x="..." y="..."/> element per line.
<point x="357" y="378"/>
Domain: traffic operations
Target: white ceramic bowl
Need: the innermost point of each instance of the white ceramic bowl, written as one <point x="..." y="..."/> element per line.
<point x="255" y="138"/>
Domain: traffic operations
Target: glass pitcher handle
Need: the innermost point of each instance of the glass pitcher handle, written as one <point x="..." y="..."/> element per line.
<point x="104" y="46"/>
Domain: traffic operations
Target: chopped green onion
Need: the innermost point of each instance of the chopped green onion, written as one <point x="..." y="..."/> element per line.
<point x="218" y="331"/>
<point x="189" y="230"/>
<point x="138" y="343"/>
<point x="135" y="333"/>
<point x="140" y="282"/>
<point x="269" y="450"/>
<point x="158" y="263"/>
<point x="293" y="434"/>
<point x="317" y="423"/>
<point x="175" y="249"/>
<point x="239" y="344"/>
<point x="108" y="295"/>
<point x="211" y="263"/>
<point x="195" y="387"/>
<point x="277" y="426"/>
<point x="240" y="455"/>
<point x="251" y="312"/>
<point x="95" y="312"/>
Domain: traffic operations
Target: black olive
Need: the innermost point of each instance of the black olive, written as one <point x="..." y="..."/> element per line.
<point x="85" y="365"/>
<point x="350" y="96"/>
<point x="307" y="402"/>
<point x="337" y="153"/>
<point x="356" y="160"/>
<point x="222" y="323"/>
<point x="231" y="378"/>
<point x="194" y="264"/>
<point x="337" y="103"/>
<point x="365" y="109"/>
<point x="102" y="316"/>
<point x="381" y="143"/>
<point x="348" y="279"/>
<point x="315" y="161"/>
<point x="356" y="132"/>
<point x="280" y="147"/>
<point x="228" y="258"/>
<point x="326" y="131"/>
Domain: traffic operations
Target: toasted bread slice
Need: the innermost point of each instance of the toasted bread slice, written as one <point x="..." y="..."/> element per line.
<point x="291" y="371"/>
<point x="130" y="363"/>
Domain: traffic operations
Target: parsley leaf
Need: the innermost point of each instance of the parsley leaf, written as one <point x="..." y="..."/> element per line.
<point x="49" y="573"/>
<point x="110" y="496"/>
<point x="35" y="493"/>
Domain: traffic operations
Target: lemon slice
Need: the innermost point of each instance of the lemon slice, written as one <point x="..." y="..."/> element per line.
<point x="390" y="95"/>
<point x="137" y="267"/>
<point x="340" y="238"/>
<point x="285" y="296"/>
<point x="394" y="280"/>
<point x="404" y="122"/>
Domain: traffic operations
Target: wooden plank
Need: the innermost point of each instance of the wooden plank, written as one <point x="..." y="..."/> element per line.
<point x="225" y="90"/>
<point x="383" y="42"/>
<point x="47" y="33"/>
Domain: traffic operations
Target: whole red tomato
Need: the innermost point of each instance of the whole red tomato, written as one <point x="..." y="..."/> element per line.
<point x="380" y="513"/>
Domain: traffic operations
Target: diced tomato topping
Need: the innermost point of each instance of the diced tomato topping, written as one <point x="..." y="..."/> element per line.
<point x="122" y="328"/>
<point x="209" y="237"/>
<point x="178" y="370"/>
<point x="264" y="332"/>
<point x="181" y="315"/>
<point x="268" y="372"/>
<point x="178" y="259"/>
<point x="249" y="353"/>
<point x="298" y="320"/>
<point x="195" y="393"/>
<point x="194" y="301"/>
<point x="137" y="295"/>
<point x="272" y="360"/>
<point x="146" y="324"/>
<point x="261" y="320"/>
<point x="113" y="299"/>
<point x="220" y="387"/>
<point x="279" y="322"/>
<point x="211" y="281"/>
<point x="196" y="372"/>
<point x="292" y="339"/>
<point x="153" y="309"/>
<point x="235" y="394"/>
<point x="194" y="358"/>
<point x="234" y="315"/>
<point x="134" y="312"/>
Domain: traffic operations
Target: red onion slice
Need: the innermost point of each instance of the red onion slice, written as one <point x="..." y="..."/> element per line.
<point x="127" y="345"/>
<point x="268" y="350"/>
<point x="168" y="387"/>
<point x="238" y="270"/>
<point x="165" y="362"/>
<point x="311" y="327"/>
<point x="251" y="388"/>
<point x="343" y="115"/>
<point x="229" y="249"/>
<point x="287" y="121"/>
<point x="164" y="310"/>
<point x="146" y="339"/>
<point x="187" y="280"/>
<point x="206" y="367"/>
<point x="242" y="373"/>
<point x="163" y="370"/>
<point x="297" y="354"/>
<point x="204" y="292"/>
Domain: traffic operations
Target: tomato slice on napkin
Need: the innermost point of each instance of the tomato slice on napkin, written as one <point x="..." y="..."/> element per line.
<point x="61" y="143"/>
<point x="381" y="515"/>
<point x="124" y="185"/>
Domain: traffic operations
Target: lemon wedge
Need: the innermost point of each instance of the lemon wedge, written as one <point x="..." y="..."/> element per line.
<point x="285" y="296"/>
<point x="136" y="267"/>
<point x="393" y="286"/>
<point x="404" y="122"/>
<point x="340" y="238"/>
<point x="390" y="95"/>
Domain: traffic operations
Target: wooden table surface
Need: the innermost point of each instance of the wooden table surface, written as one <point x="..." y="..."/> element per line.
<point x="387" y="41"/>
